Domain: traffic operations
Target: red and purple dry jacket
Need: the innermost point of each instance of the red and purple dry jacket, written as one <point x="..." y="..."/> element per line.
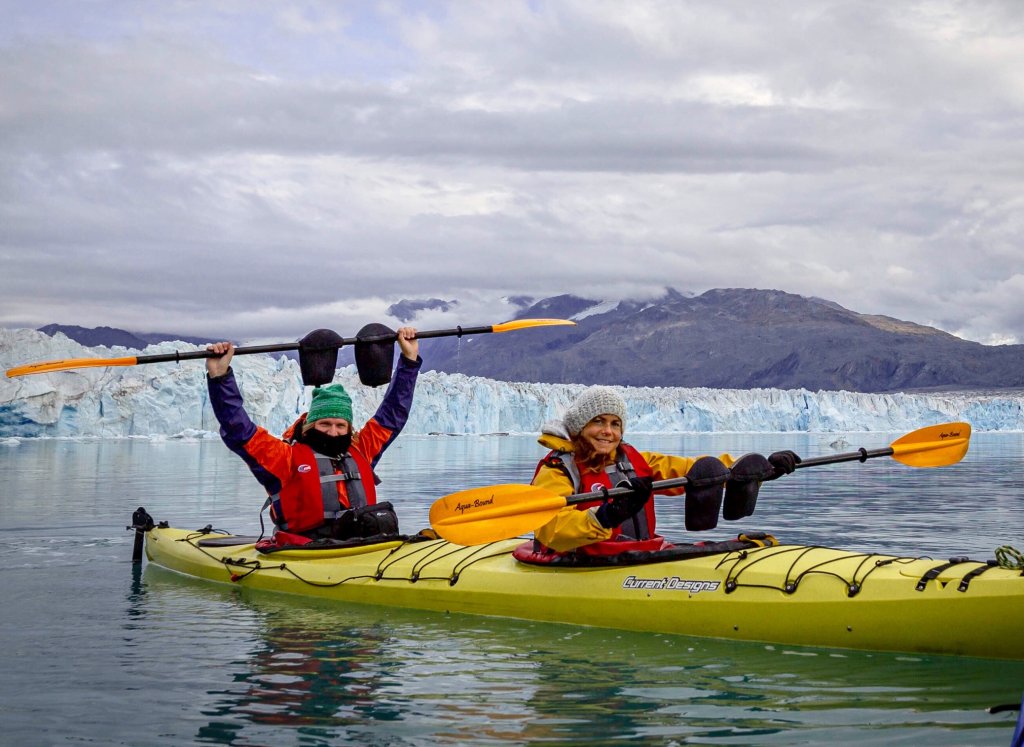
<point x="276" y="462"/>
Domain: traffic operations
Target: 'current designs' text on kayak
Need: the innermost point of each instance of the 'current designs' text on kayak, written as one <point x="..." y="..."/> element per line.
<point x="673" y="583"/>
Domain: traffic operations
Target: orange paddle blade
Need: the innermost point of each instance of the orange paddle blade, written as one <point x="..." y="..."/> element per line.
<point x="527" y="323"/>
<point x="48" y="366"/>
<point x="492" y="513"/>
<point x="934" y="446"/>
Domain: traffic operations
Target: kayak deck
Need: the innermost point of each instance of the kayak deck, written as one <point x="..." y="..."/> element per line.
<point x="788" y="594"/>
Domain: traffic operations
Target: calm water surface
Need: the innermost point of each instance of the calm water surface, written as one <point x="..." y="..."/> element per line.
<point x="95" y="651"/>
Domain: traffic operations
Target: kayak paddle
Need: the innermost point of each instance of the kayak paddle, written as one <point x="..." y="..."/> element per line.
<point x="317" y="351"/>
<point x="488" y="514"/>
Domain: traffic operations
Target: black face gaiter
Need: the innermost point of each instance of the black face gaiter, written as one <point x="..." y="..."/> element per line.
<point x="331" y="446"/>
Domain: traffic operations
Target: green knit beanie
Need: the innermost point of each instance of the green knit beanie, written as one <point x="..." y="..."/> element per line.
<point x="331" y="401"/>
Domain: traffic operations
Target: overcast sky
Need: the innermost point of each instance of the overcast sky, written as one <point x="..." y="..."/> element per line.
<point x="254" y="170"/>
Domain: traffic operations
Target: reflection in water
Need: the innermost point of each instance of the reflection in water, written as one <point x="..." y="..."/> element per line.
<point x="328" y="673"/>
<point x="309" y="676"/>
<point x="358" y="673"/>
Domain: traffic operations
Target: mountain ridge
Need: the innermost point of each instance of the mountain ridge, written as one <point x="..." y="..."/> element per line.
<point x="112" y="336"/>
<point x="724" y="338"/>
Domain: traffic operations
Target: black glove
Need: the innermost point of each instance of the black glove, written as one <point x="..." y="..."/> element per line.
<point x="783" y="462"/>
<point x="622" y="507"/>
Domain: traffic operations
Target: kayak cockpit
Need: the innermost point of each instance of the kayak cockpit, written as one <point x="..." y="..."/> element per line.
<point x="636" y="552"/>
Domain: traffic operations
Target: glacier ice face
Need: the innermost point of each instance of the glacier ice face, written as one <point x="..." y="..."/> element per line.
<point x="169" y="399"/>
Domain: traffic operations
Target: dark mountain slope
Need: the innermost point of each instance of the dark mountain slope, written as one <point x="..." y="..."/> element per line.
<point x="724" y="338"/>
<point x="110" y="336"/>
<point x="733" y="338"/>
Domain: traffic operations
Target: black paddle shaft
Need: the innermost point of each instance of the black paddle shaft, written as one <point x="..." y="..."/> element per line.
<point x="196" y="354"/>
<point x="862" y="455"/>
<point x="454" y="332"/>
<point x="674" y="482"/>
<point x="286" y="346"/>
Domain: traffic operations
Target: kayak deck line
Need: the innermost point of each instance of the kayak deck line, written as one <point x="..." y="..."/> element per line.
<point x="784" y="594"/>
<point x="431" y="549"/>
<point x="869" y="563"/>
<point x="737" y="562"/>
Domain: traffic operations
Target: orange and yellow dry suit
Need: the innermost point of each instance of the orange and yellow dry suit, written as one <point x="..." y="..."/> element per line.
<point x="576" y="526"/>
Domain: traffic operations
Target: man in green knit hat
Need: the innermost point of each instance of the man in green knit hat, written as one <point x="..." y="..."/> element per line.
<point x="328" y="426"/>
<point x="319" y="475"/>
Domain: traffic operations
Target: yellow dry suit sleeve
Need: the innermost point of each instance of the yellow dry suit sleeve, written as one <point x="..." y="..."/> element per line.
<point x="570" y="528"/>
<point x="666" y="467"/>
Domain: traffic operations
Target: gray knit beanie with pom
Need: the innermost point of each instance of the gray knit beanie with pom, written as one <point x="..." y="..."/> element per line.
<point x="597" y="400"/>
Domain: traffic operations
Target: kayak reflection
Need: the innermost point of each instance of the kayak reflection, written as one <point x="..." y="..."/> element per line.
<point x="335" y="672"/>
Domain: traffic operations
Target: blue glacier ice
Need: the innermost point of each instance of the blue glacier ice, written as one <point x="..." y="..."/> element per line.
<point x="169" y="400"/>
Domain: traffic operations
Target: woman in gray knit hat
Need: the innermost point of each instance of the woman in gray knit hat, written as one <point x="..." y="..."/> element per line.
<point x="588" y="454"/>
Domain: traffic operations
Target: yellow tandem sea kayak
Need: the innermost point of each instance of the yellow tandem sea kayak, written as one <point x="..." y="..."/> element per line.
<point x="787" y="594"/>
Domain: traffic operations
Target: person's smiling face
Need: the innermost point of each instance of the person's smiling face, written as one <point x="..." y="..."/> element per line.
<point x="603" y="434"/>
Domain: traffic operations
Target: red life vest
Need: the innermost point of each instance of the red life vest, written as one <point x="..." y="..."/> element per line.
<point x="629" y="463"/>
<point x="321" y="489"/>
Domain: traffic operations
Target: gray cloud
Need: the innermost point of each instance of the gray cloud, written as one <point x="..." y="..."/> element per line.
<point x="215" y="168"/>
